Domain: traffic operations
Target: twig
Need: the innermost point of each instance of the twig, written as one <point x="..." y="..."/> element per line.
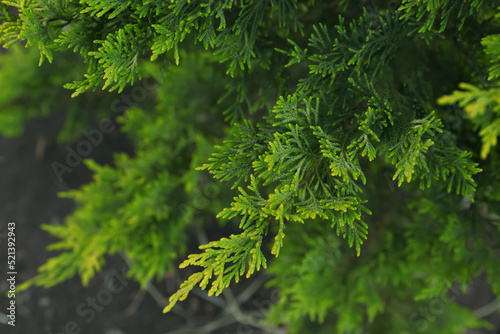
<point x="138" y="298"/>
<point x="208" y="328"/>
<point x="41" y="144"/>
<point x="212" y="299"/>
<point x="200" y="234"/>
<point x="3" y="318"/>
<point x="487" y="309"/>
<point x="252" y="289"/>
<point x="160" y="300"/>
<point x="234" y="306"/>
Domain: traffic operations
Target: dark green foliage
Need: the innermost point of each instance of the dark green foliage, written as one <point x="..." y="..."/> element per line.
<point x="353" y="166"/>
<point x="438" y="13"/>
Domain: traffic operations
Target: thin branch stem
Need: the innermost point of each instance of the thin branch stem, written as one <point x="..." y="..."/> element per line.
<point x="487" y="309"/>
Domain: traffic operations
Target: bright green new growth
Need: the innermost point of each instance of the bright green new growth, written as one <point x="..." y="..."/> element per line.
<point x="482" y="105"/>
<point x="323" y="105"/>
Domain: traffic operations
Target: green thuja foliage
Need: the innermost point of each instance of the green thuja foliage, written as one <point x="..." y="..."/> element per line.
<point x="482" y="103"/>
<point x="29" y="92"/>
<point x="362" y="179"/>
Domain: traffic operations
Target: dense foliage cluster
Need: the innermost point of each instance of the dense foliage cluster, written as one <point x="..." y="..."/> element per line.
<point x="374" y="121"/>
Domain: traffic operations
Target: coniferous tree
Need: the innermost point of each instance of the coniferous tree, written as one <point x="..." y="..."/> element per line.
<point x="359" y="138"/>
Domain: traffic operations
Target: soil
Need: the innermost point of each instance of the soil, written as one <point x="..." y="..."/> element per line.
<point x="28" y="196"/>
